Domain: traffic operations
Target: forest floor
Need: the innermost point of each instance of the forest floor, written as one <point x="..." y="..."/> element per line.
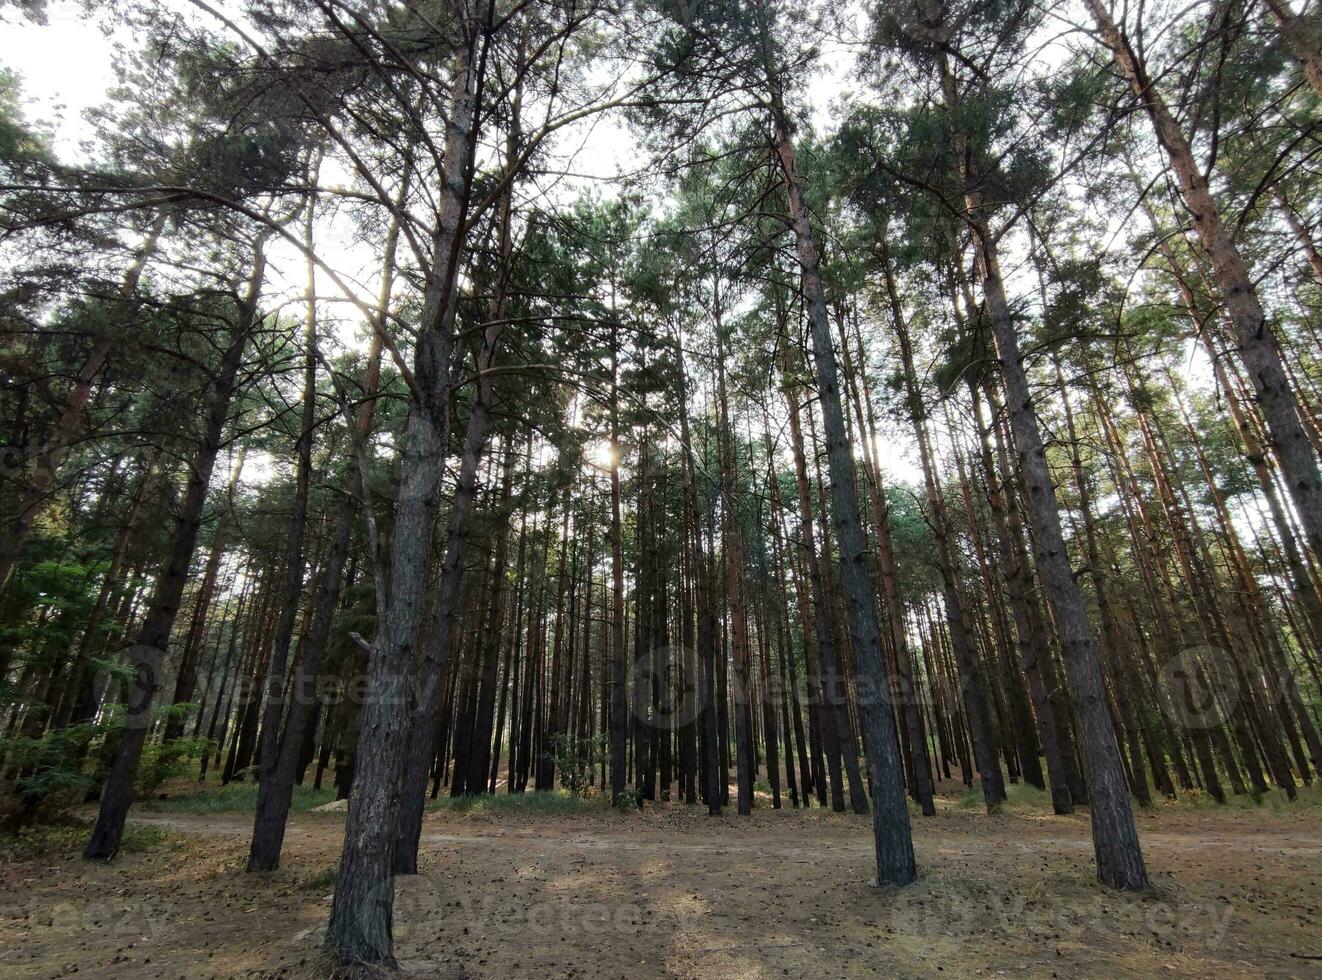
<point x="577" y="890"/>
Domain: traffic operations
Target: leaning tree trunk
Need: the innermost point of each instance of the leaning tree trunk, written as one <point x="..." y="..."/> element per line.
<point x="1257" y="345"/>
<point x="892" y="836"/>
<point x="268" y="833"/>
<point x="1115" y="838"/>
<point x="146" y="654"/>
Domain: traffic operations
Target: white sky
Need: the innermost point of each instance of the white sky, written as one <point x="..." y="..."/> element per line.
<point x="66" y="68"/>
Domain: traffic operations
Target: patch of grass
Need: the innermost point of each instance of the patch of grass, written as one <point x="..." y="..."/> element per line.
<point x="1019" y="796"/>
<point x="67" y="838"/>
<point x="556" y="802"/>
<point x="325" y="878"/>
<point x="235" y="798"/>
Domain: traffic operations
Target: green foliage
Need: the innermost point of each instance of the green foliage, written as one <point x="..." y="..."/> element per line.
<point x="576" y="759"/>
<point x="322" y="879"/>
<point x="630" y="799"/>
<point x="51" y="764"/>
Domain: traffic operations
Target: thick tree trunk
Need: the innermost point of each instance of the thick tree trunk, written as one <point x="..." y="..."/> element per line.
<point x="360" y="921"/>
<point x="423" y="733"/>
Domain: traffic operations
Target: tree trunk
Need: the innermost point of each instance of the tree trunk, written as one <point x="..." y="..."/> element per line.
<point x="360" y="920"/>
<point x="1257" y="345"/>
<point x="146" y="654"/>
<point x="268" y="827"/>
<point x="890" y="815"/>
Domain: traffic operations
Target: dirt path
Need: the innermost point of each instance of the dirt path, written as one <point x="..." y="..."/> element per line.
<point x="670" y="892"/>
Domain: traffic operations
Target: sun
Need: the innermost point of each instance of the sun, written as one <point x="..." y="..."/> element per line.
<point x="600" y="453"/>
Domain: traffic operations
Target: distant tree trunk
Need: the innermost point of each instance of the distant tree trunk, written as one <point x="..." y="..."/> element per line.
<point x="827" y="675"/>
<point x="275" y="792"/>
<point x="489" y="646"/>
<point x="224" y="690"/>
<point x="1112" y="641"/>
<point x="971" y="684"/>
<point x="703" y="697"/>
<point x="619" y="701"/>
<point x="1031" y="645"/>
<point x="268" y="829"/>
<point x="906" y="687"/>
<point x="80" y="703"/>
<point x="146" y="654"/>
<point x="733" y="551"/>
<point x="790" y="693"/>
<point x="186" y="677"/>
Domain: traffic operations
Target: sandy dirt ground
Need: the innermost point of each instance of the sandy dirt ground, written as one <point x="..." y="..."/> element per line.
<point x="670" y="892"/>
